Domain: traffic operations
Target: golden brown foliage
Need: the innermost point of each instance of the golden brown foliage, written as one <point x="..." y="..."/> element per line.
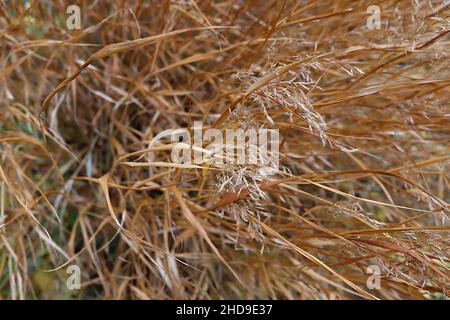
<point x="363" y="116"/>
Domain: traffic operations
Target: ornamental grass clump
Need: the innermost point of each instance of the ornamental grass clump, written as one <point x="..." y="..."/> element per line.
<point x="350" y="200"/>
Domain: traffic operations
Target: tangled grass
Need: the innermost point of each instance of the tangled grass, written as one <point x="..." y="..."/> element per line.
<point x="363" y="178"/>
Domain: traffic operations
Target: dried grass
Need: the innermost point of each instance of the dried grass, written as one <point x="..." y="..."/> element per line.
<point x="364" y="120"/>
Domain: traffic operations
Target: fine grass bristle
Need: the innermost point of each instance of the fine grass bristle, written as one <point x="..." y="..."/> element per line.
<point x="87" y="176"/>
